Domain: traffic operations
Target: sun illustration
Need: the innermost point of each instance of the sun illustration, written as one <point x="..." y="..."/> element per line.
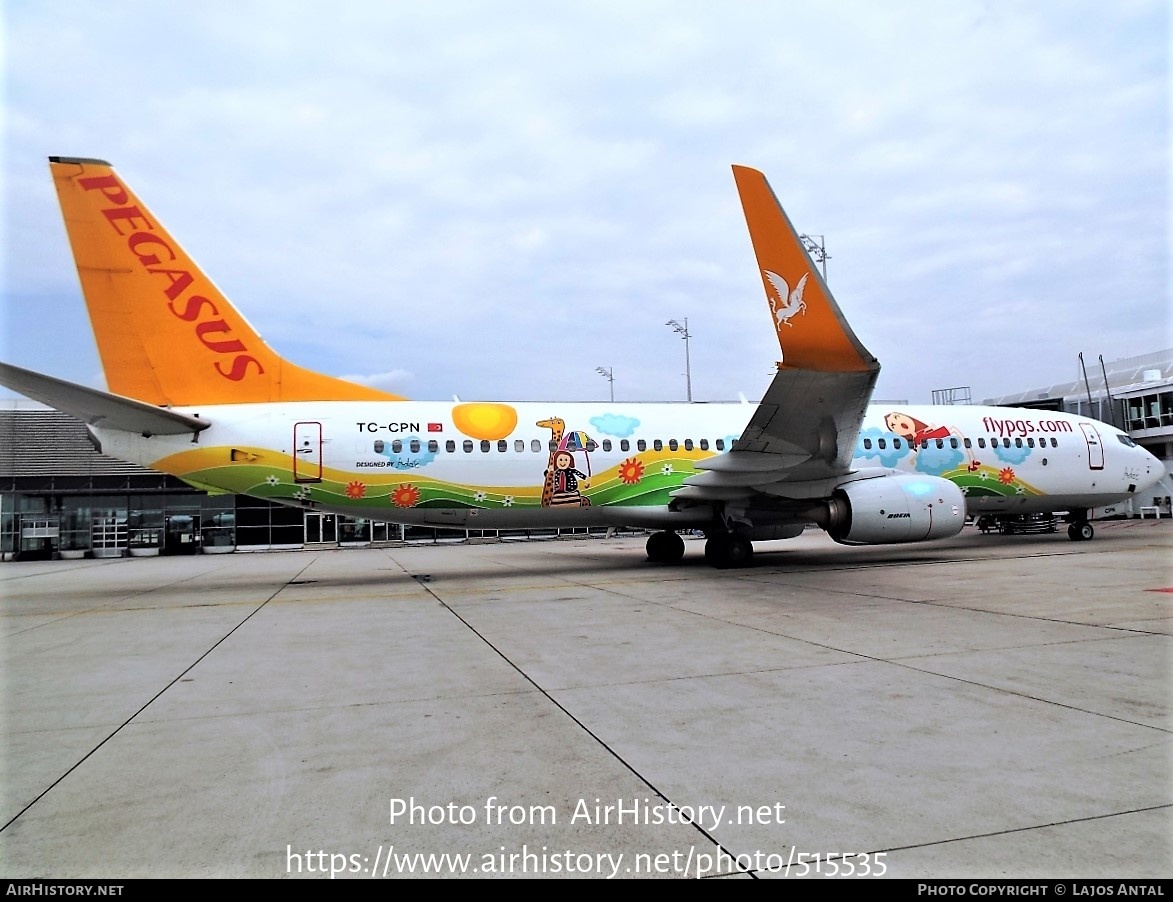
<point x="631" y="471"/>
<point x="406" y="495"/>
<point x="355" y="490"/>
<point x="1006" y="476"/>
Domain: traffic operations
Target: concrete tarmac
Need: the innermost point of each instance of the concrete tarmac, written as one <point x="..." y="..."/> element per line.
<point x="987" y="706"/>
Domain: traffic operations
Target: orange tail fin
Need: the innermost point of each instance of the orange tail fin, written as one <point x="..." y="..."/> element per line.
<point x="812" y="331"/>
<point x="165" y="333"/>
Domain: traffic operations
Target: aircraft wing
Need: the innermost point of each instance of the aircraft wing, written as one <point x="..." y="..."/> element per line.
<point x="99" y="408"/>
<point x="808" y="421"/>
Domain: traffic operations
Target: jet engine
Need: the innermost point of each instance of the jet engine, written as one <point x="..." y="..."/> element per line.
<point x="891" y="509"/>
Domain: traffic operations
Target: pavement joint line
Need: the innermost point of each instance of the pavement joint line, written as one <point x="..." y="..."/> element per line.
<point x="122" y="598"/>
<point x="427" y="587"/>
<point x="152" y="699"/>
<point x="898" y="662"/>
<point x="1064" y="823"/>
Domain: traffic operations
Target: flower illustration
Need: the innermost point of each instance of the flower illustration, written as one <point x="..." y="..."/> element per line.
<point x="272" y="480"/>
<point x="355" y="490"/>
<point x="302" y="494"/>
<point x="479" y="496"/>
<point x="631" y="471"/>
<point x="406" y="495"/>
<point x="1006" y="476"/>
<point x="667" y="470"/>
<point x="507" y="501"/>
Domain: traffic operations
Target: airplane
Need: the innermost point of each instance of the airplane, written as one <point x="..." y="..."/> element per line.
<point x="195" y="392"/>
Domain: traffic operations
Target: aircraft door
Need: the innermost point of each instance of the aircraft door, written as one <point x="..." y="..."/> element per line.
<point x="1095" y="450"/>
<point x="307" y="452"/>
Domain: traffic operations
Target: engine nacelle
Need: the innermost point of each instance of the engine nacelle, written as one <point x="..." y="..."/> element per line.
<point x="891" y="509"/>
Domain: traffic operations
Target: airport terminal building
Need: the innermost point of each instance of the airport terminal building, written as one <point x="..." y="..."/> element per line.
<point x="60" y="498"/>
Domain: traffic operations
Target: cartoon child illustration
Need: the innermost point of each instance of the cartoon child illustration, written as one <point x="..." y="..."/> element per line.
<point x="565" y="482"/>
<point x="912" y="429"/>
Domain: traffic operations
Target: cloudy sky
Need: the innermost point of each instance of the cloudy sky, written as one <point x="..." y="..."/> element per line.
<point x="492" y="200"/>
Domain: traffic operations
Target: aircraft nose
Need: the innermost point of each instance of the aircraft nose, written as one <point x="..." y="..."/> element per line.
<point x="1154" y="469"/>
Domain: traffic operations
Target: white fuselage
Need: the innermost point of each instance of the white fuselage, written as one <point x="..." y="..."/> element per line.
<point x="492" y="465"/>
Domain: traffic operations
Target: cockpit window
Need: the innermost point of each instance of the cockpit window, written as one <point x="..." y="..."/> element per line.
<point x="1125" y="440"/>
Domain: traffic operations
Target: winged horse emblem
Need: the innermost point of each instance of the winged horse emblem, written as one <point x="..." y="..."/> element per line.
<point x="784" y="303"/>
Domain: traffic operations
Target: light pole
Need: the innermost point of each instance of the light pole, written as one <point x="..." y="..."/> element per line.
<point x="817" y="249"/>
<point x="608" y="373"/>
<point x="683" y="332"/>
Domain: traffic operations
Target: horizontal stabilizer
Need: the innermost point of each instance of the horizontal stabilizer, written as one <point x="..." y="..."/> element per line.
<point x="98" y="408"/>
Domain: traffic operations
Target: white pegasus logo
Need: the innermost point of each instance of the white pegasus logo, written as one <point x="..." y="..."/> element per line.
<point x="786" y="304"/>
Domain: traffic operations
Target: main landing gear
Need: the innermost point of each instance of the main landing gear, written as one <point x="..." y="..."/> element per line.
<point x="725" y="550"/>
<point x="665" y="547"/>
<point x="728" y="550"/>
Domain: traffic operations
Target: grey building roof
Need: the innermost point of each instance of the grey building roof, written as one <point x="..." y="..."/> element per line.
<point x="49" y="443"/>
<point x="1128" y="374"/>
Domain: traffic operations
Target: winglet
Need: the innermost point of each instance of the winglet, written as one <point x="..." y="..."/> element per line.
<point x="165" y="333"/>
<point x="812" y="331"/>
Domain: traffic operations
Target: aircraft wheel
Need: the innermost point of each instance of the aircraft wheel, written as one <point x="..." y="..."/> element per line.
<point x="729" y="552"/>
<point x="1083" y="532"/>
<point x="665" y="547"/>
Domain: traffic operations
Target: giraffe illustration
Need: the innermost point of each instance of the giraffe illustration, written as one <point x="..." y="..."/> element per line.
<point x="557" y="429"/>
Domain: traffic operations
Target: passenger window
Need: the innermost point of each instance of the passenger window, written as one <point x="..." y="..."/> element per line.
<point x="940" y="443"/>
<point x="704" y="444"/>
<point x="486" y="446"/>
<point x="450" y="446"/>
<point x="924" y="443"/>
<point x="433" y="446"/>
<point x="502" y="445"/>
<point x="1018" y="443"/>
<point x="688" y="444"/>
<point x="968" y="443"/>
<point x="624" y="445"/>
<point x="981" y="443"/>
<point x="896" y="444"/>
<point x="641" y="445"/>
<point x="535" y="446"/>
<point x="1030" y="442"/>
<point x="867" y="444"/>
<point x="952" y="443"/>
<point x="415" y="446"/>
<point x="658" y="445"/>
<point x="467" y="446"/>
<point x="673" y="445"/>
<point x="553" y="446"/>
<point x="396" y="446"/>
<point x="606" y="444"/>
<point x="1054" y="443"/>
<point x="883" y="443"/>
<point x="720" y="444"/>
<point x="518" y="445"/>
<point x="379" y="446"/>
